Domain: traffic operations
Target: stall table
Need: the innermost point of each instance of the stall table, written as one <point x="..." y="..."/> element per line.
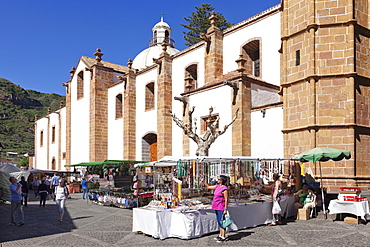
<point x="74" y="188"/>
<point x="191" y="224"/>
<point x="360" y="209"/>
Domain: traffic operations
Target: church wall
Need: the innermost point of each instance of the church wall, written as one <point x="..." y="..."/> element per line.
<point x="222" y="147"/>
<point x="266" y="136"/>
<point x="178" y="74"/>
<point x="63" y="143"/>
<point x="80" y="110"/>
<point x="268" y="29"/>
<point x="146" y="121"/>
<point x="41" y="150"/>
<point x="115" y="130"/>
<point x="53" y="145"/>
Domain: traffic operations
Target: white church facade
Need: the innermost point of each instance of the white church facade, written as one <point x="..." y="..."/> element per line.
<point x="298" y="74"/>
<point x="121" y="112"/>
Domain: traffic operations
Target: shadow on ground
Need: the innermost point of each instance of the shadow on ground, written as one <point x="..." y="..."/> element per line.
<point x="39" y="221"/>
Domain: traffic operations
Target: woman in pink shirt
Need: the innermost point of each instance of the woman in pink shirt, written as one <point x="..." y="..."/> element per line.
<point x="219" y="203"/>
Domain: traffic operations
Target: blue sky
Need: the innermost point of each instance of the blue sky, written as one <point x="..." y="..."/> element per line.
<point x="41" y="39"/>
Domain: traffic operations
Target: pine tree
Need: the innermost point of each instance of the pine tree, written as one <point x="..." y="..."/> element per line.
<point x="199" y="23"/>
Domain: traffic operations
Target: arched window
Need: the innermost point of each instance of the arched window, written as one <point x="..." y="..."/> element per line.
<point x="80" y="85"/>
<point x="149" y="96"/>
<point x="252" y="53"/>
<point x="191" y="76"/>
<point x="53" y="164"/>
<point x="119" y="106"/>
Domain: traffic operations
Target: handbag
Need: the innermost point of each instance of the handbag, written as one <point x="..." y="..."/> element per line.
<point x="226" y="220"/>
<point x="276" y="209"/>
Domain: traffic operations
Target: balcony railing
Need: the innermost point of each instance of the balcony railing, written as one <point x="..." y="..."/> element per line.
<point x="156" y="41"/>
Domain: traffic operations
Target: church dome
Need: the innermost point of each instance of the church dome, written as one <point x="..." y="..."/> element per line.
<point x="161" y="32"/>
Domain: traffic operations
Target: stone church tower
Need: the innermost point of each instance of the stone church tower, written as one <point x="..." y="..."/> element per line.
<point x="325" y="81"/>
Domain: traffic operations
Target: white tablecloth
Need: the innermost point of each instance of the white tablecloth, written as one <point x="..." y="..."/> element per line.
<point x="360" y="209"/>
<point x="166" y="224"/>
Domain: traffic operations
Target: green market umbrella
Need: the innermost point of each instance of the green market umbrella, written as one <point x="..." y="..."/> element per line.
<point x="323" y="154"/>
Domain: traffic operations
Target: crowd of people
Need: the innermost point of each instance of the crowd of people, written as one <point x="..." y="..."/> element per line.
<point x="55" y="187"/>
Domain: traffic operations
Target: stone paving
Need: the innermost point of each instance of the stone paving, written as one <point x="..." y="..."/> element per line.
<point x="87" y="224"/>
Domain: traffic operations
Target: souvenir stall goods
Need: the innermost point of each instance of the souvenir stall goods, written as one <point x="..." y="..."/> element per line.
<point x="113" y="197"/>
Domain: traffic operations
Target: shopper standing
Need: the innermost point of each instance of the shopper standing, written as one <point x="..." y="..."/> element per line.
<point x="35" y="185"/>
<point x="54" y="183"/>
<point x="84" y="188"/>
<point x="60" y="195"/>
<point x="43" y="192"/>
<point x="276" y="188"/>
<point x="219" y="203"/>
<point x="25" y="190"/>
<point x="16" y="202"/>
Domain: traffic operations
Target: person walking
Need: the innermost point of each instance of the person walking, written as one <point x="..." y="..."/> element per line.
<point x="16" y="202"/>
<point x="276" y="209"/>
<point x="43" y="192"/>
<point x="219" y="203"/>
<point x="35" y="185"/>
<point x="47" y="183"/>
<point x="84" y="188"/>
<point x="54" y="183"/>
<point x="25" y="190"/>
<point x="60" y="195"/>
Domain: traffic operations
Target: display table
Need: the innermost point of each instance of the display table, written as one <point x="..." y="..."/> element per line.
<point x="74" y="188"/>
<point x="287" y="206"/>
<point x="360" y="209"/>
<point x="192" y="224"/>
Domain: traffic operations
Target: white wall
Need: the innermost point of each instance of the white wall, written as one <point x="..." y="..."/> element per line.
<point x="178" y="75"/>
<point x="146" y="121"/>
<point x="266" y="135"/>
<point x="221" y="101"/>
<point x="263" y="95"/>
<point x="80" y="118"/>
<point x="115" y="126"/>
<point x="268" y="30"/>
<point x="41" y="151"/>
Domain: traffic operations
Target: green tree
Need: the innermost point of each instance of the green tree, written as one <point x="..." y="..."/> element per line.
<point x="24" y="162"/>
<point x="199" y="23"/>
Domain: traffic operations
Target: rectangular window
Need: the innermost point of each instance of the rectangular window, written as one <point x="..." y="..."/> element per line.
<point x="297" y="57"/>
<point x="207" y="120"/>
<point x="53" y="134"/>
<point x="64" y="155"/>
<point x="41" y="138"/>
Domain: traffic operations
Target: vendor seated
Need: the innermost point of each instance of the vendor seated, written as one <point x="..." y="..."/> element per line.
<point x="305" y="198"/>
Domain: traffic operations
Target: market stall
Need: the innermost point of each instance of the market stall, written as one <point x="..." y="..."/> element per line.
<point x="185" y="211"/>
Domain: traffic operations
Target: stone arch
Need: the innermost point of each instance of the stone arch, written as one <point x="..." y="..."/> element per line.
<point x="80" y="85"/>
<point x="252" y="52"/>
<point x="191" y="77"/>
<point x="149" y="147"/>
<point x="149" y="96"/>
<point x="119" y="110"/>
<point x="53" y="164"/>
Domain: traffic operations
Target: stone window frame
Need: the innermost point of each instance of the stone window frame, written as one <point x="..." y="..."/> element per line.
<point x="119" y="106"/>
<point x="53" y="134"/>
<point x="41" y="138"/>
<point x="191" y="78"/>
<point x="203" y="123"/>
<point x="150" y="96"/>
<point x="80" y="85"/>
<point x="250" y="65"/>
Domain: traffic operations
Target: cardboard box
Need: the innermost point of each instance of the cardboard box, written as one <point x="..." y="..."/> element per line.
<point x="303" y="214"/>
<point x="351" y="220"/>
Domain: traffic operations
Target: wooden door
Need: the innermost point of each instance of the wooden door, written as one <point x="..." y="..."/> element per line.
<point x="153" y="152"/>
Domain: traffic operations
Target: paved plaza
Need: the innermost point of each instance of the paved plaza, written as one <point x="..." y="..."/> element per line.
<point x="87" y="224"/>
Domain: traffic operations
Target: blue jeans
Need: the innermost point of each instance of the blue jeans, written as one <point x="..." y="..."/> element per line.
<point x="219" y="216"/>
<point x="84" y="192"/>
<point x="16" y="208"/>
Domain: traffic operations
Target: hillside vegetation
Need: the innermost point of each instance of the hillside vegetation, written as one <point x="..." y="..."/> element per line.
<point x="18" y="108"/>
